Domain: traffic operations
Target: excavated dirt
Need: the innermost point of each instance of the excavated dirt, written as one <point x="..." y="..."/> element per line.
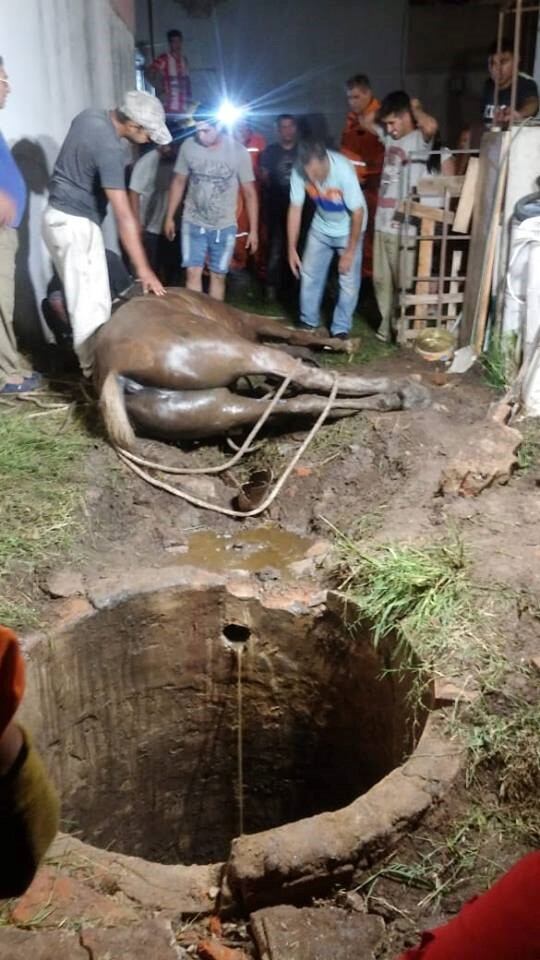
<point x="374" y="475"/>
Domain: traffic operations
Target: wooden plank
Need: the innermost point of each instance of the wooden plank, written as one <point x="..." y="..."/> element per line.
<point x="482" y="308"/>
<point x="493" y="148"/>
<point x="425" y="263"/>
<point x="436" y="186"/>
<point x="411" y="298"/>
<point x="455" y="267"/>
<point x="421" y="211"/>
<point x="465" y="206"/>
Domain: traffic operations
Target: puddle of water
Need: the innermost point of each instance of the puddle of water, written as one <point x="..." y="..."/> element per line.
<point x="249" y="549"/>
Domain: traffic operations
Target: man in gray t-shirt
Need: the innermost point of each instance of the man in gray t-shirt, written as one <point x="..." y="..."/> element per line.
<point x="213" y="167"/>
<point x="90" y="173"/>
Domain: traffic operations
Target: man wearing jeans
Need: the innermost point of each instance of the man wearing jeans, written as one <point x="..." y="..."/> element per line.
<point x="212" y="166"/>
<point x="338" y="226"/>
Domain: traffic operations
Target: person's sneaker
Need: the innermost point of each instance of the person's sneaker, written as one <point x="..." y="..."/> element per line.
<point x="33" y="382"/>
<point x="341" y="336"/>
<point x="319" y="331"/>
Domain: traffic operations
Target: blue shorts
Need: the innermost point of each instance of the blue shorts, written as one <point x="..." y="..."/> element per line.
<point x="200" y="245"/>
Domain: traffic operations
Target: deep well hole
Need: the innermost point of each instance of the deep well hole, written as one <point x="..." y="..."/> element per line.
<point x="136" y="709"/>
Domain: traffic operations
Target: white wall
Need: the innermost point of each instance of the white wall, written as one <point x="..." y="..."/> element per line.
<point x="292" y="55"/>
<point x="61" y="56"/>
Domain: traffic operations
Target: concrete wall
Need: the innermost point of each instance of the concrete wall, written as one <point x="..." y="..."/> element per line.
<point x="447" y="61"/>
<point x="61" y="56"/>
<point x="287" y="55"/>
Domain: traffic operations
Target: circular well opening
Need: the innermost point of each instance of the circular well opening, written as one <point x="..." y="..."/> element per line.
<point x="136" y="709"/>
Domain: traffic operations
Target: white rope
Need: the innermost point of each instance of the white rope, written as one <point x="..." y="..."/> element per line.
<point x="227" y="511"/>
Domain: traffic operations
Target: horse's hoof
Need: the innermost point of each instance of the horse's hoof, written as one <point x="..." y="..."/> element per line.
<point x="352" y="345"/>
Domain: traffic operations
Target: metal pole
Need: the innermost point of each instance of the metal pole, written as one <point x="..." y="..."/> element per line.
<point x="500" y="30"/>
<point x="517" y="51"/>
<point x="442" y="258"/>
<point x="150" y="12"/>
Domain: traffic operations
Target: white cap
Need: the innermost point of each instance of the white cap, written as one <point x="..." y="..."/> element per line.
<point x="148" y="112"/>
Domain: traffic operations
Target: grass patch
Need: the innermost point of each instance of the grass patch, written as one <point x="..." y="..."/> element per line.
<point x="444" y="866"/>
<point x="41" y="469"/>
<point x="424" y="595"/>
<point x="499" y="361"/>
<point x="528" y="454"/>
<point x="445" y="625"/>
<point x="504" y="738"/>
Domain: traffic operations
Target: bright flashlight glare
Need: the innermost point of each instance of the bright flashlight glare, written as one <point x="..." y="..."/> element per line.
<point x="228" y="113"/>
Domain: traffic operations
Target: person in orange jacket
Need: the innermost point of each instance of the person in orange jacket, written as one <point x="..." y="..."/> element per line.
<point x="254" y="143"/>
<point x="365" y="151"/>
<point x="28" y="801"/>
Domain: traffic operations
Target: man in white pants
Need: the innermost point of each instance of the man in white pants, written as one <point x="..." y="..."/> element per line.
<point x="89" y="173"/>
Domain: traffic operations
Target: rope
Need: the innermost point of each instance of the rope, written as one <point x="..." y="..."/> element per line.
<point x="227" y="511"/>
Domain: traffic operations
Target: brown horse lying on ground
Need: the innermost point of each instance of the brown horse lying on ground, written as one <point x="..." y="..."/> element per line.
<point x="170" y="366"/>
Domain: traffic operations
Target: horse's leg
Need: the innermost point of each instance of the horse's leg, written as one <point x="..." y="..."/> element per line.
<point x="177" y="414"/>
<point x="272" y="361"/>
<point x="269" y="327"/>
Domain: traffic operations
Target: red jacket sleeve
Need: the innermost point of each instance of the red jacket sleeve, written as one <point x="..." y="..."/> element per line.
<point x="11" y="676"/>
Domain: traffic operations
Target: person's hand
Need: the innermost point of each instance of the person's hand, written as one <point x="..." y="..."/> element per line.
<point x="151" y="284"/>
<point x="345" y="261"/>
<point x="252" y="242"/>
<point x="415" y="105"/>
<point x="295" y="263"/>
<point x="8" y="210"/>
<point x="169" y="228"/>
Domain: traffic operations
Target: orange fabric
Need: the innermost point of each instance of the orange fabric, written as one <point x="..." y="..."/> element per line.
<point x="363" y="144"/>
<point x="11" y="676"/>
<point x="359" y="144"/>
<point x="255" y="144"/>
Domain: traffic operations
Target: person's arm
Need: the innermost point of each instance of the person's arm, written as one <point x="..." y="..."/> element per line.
<point x="135" y="204"/>
<point x="154" y="75"/>
<point x="347" y="257"/>
<point x="8" y="210"/>
<point x="176" y="192"/>
<point x="448" y="166"/>
<point x="294" y="219"/>
<point x="425" y="123"/>
<point x="252" y="207"/>
<point x="128" y="231"/>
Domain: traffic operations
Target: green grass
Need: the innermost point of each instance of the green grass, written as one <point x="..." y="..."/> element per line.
<point x="41" y="469"/>
<point x="499" y="361"/>
<point x="504" y="738"/>
<point x="529" y="452"/>
<point x="424" y="595"/>
<point x="446" y="626"/>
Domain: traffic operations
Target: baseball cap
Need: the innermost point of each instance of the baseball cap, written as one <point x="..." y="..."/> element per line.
<point x="148" y="112"/>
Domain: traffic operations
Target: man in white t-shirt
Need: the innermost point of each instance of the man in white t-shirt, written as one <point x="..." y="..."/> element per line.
<point x="407" y="133"/>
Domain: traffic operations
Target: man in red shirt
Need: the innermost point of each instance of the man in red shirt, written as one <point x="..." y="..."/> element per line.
<point x="169" y="74"/>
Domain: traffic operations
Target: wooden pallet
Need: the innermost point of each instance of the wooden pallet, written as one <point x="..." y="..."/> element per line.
<point x="436" y="293"/>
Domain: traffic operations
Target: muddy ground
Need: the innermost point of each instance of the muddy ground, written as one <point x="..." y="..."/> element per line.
<point x="372" y="475"/>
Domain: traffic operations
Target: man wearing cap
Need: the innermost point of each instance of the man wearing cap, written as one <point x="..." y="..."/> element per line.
<point x="89" y="173"/>
<point x="213" y="167"/>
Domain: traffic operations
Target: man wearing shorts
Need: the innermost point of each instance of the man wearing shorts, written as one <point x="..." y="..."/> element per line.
<point x="213" y="167"/>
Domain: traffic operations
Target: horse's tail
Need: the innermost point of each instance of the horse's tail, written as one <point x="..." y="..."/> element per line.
<point x="113" y="411"/>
